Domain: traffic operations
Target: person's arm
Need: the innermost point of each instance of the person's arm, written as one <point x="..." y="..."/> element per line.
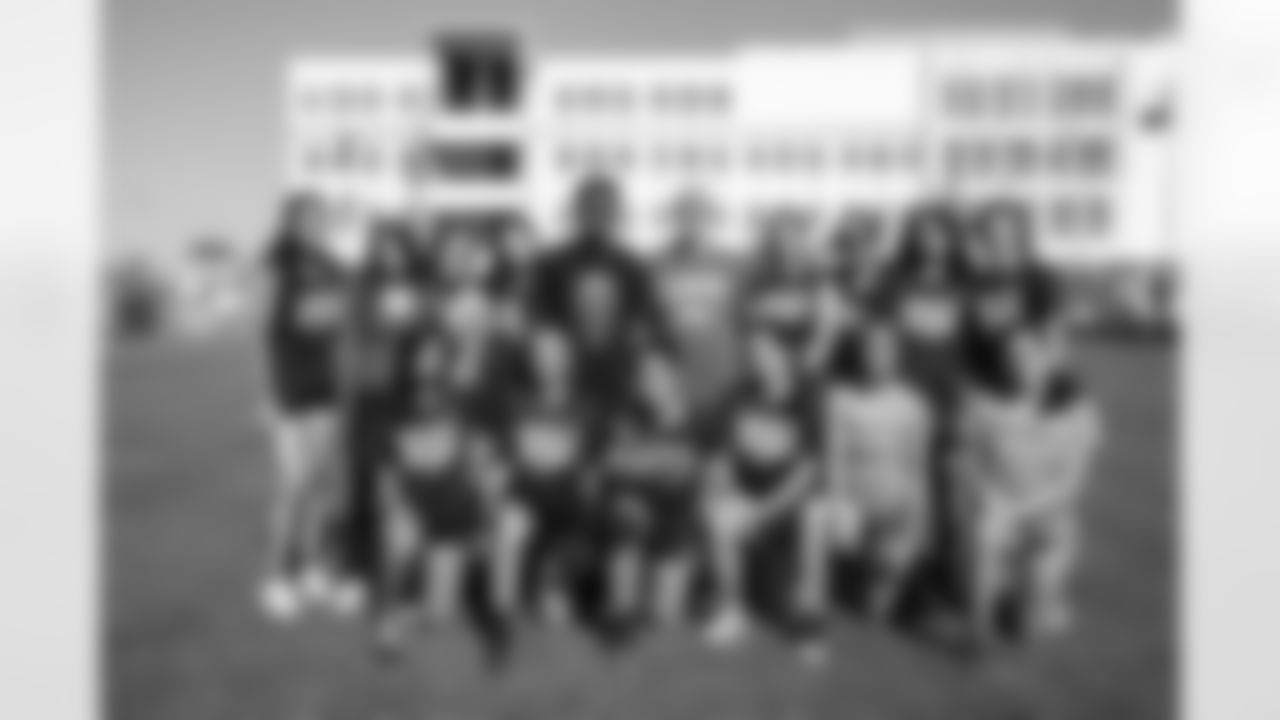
<point x="720" y="477"/>
<point x="965" y="454"/>
<point x="832" y="318"/>
<point x="800" y="484"/>
<point x="1077" y="458"/>
<point x="834" y="447"/>
<point x="649" y="305"/>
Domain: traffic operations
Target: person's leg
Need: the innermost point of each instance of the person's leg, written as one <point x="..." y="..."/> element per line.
<point x="672" y="587"/>
<point x="367" y="448"/>
<point x="509" y="552"/>
<point x="993" y="540"/>
<point x="445" y="566"/>
<point x="826" y="525"/>
<point x="324" y="502"/>
<point x="900" y="548"/>
<point x="293" y="445"/>
<point x="1049" y="572"/>
<point x="729" y="525"/>
<point x="674" y="547"/>
<point x="403" y="545"/>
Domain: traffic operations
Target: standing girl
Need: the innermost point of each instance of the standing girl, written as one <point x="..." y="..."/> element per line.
<point x="306" y="306"/>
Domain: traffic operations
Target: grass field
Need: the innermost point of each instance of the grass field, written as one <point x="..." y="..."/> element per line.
<point x="184" y="501"/>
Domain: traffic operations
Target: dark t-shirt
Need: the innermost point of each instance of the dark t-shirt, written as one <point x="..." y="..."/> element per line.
<point x="766" y="437"/>
<point x="599" y="295"/>
<point x="997" y="304"/>
<point x="548" y="439"/>
<point x="785" y="304"/>
<point x="305" y="322"/>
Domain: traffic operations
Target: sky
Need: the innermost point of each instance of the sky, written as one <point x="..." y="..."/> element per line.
<point x="194" y="88"/>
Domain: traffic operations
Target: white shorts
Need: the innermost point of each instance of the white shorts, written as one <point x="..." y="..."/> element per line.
<point x="893" y="533"/>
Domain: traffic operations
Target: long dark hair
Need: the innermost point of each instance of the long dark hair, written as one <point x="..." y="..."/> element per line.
<point x="392" y="255"/>
<point x="929" y="249"/>
<point x="986" y="217"/>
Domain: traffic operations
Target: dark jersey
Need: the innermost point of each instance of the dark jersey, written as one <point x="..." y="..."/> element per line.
<point x="930" y="318"/>
<point x="766" y="438"/>
<point x="305" y="321"/>
<point x="599" y="295"/>
<point x="645" y="451"/>
<point x="787" y="305"/>
<point x="389" y="314"/>
<point x="547" y="439"/>
<point x="434" y="438"/>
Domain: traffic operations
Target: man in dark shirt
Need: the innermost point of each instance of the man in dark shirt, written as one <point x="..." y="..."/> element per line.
<point x="601" y="296"/>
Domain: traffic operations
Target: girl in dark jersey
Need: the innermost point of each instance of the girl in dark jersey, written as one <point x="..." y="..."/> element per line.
<point x="926" y="285"/>
<point x="390" y="306"/>
<point x="1009" y="286"/>
<point x="648" y="497"/>
<point x="852" y="288"/>
<point x="306" y="307"/>
<point x="547" y="444"/>
<point x="443" y="475"/>
<point x="479" y="313"/>
<point x="762" y="473"/>
<point x="782" y="294"/>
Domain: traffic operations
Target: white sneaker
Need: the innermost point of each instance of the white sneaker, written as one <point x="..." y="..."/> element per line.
<point x="814" y="654"/>
<point x="555" y="610"/>
<point x="317" y="586"/>
<point x="347" y="598"/>
<point x="279" y="600"/>
<point x="728" y="629"/>
<point x="1052" y="619"/>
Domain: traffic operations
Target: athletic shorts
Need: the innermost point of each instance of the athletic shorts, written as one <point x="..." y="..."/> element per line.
<point x="894" y="533"/>
<point x="450" y="510"/>
<point x="662" y="519"/>
<point x="556" y="507"/>
<point x="302" y="379"/>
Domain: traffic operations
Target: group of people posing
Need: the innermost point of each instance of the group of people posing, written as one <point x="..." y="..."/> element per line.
<point x="544" y="419"/>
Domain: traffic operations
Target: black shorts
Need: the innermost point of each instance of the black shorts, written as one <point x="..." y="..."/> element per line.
<point x="302" y="379"/>
<point x="660" y="518"/>
<point x="450" y="510"/>
<point x="556" y="506"/>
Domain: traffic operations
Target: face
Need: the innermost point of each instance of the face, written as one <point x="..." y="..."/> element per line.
<point x="1007" y="237"/>
<point x="597" y="210"/>
<point x="1036" y="359"/>
<point x="311" y="220"/>
<point x="468" y="258"/>
<point x="882" y="353"/>
<point x="430" y="361"/>
<point x="388" y="252"/>
<point x="935" y="239"/>
<point x="856" y="239"/>
<point x="551" y="359"/>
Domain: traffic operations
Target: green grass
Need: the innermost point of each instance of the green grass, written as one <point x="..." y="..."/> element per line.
<point x="185" y="491"/>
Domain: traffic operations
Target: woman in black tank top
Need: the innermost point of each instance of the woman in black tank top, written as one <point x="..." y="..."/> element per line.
<point x="924" y="289"/>
<point x="781" y="293"/>
<point x="305" y="314"/>
<point x="1009" y="286"/>
<point x="925" y="293"/>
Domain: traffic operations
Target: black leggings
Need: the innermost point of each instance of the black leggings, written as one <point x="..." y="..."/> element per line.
<point x="367" y="439"/>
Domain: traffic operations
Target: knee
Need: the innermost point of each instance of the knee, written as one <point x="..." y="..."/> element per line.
<point x="728" y="519"/>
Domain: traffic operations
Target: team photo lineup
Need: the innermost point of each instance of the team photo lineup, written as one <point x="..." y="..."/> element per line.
<point x="887" y="424"/>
